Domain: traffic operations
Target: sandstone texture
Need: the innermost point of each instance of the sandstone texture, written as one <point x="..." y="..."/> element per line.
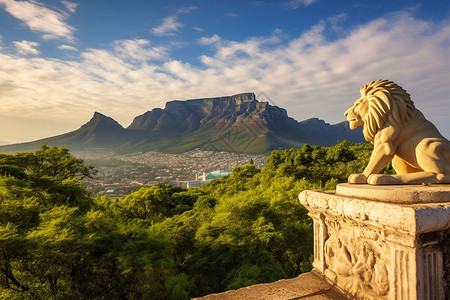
<point x="401" y="135"/>
<point x="391" y="246"/>
<point x="306" y="286"/>
<point x="427" y="193"/>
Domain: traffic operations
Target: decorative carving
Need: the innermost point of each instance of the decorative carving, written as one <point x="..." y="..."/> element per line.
<point x="401" y="134"/>
<point x="353" y="259"/>
<point x="379" y="250"/>
<point x="358" y="268"/>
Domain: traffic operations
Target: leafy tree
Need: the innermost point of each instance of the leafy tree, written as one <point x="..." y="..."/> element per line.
<point x="53" y="162"/>
<point x="55" y="244"/>
<point x="73" y="255"/>
<point x="153" y="203"/>
<point x="160" y="242"/>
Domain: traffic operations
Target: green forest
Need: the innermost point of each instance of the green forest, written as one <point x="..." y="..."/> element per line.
<point x="160" y="242"/>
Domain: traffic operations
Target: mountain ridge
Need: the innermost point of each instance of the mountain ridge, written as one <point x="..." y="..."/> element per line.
<point x="238" y="123"/>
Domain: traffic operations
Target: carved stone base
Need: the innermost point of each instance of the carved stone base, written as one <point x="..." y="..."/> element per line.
<point x="390" y="246"/>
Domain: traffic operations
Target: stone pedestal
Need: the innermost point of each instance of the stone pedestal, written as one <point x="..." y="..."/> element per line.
<point x="383" y="242"/>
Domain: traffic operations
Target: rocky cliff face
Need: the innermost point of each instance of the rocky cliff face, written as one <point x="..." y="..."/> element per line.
<point x="233" y="123"/>
<point x="191" y="115"/>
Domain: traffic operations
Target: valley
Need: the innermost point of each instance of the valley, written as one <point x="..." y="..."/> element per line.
<point x="121" y="174"/>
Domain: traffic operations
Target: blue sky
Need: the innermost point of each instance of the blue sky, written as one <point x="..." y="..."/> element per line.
<point x="60" y="61"/>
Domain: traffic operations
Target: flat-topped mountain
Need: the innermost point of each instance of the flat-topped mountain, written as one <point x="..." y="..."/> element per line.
<point x="238" y="123"/>
<point x="192" y="115"/>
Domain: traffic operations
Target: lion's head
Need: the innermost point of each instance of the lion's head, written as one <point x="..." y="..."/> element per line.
<point x="381" y="101"/>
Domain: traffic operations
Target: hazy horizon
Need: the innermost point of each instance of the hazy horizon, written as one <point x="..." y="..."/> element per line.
<point x="61" y="61"/>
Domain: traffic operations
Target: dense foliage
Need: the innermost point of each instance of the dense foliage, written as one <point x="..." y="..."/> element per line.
<point x="161" y="242"/>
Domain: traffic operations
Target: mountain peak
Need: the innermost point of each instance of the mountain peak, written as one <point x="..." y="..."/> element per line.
<point x="99" y="115"/>
<point x="244" y="97"/>
<point x="314" y="122"/>
<point x="99" y="119"/>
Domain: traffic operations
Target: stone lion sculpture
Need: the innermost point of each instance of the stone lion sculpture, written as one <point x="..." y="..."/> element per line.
<point x="399" y="133"/>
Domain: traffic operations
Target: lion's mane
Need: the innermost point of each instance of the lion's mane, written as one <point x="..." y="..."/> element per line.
<point x="388" y="102"/>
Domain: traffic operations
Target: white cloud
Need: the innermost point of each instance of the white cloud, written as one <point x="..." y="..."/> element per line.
<point x="310" y="76"/>
<point x="231" y="15"/>
<point x="294" y="4"/>
<point x="186" y="10"/>
<point x="40" y="18"/>
<point x="336" y="21"/>
<point x="199" y="29"/>
<point x="26" y="47"/>
<point x="70" y="6"/>
<point x="209" y="40"/>
<point x="67" y="47"/>
<point x="248" y="48"/>
<point x="168" y="27"/>
<point x="137" y="50"/>
<point x="100" y="80"/>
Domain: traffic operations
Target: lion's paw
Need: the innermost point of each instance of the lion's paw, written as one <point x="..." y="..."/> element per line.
<point x="378" y="179"/>
<point x="375" y="179"/>
<point x="357" y="178"/>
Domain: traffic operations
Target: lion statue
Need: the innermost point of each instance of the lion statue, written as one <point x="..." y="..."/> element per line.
<point x="401" y="134"/>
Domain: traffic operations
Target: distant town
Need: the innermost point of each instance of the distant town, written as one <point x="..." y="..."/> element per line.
<point x="119" y="175"/>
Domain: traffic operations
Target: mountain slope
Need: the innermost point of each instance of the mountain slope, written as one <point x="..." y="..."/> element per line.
<point x="238" y="123"/>
<point x="100" y="132"/>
